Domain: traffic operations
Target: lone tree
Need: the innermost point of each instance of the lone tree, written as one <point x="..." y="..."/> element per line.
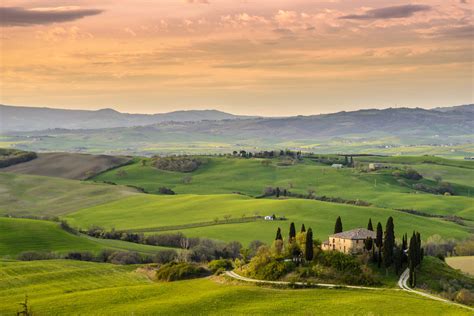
<point x="369" y="225"/>
<point x="389" y="243"/>
<point x="303" y="229"/>
<point x="292" y="232"/>
<point x="338" y="226"/>
<point x="309" y="245"/>
<point x="379" y="243"/>
<point x="278" y="234"/>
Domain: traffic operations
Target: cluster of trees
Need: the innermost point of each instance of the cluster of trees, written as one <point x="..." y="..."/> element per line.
<point x="347" y="161"/>
<point x="192" y="249"/>
<point x="177" y="163"/>
<point x="408" y="173"/>
<point x="300" y="254"/>
<point x="268" y="154"/>
<point x="415" y="257"/>
<point x="441" y="188"/>
<point x="311" y="195"/>
<point x="109" y="256"/>
<point x="9" y="157"/>
<point x="387" y="253"/>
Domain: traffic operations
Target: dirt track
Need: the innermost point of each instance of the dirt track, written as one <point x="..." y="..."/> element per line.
<point x="66" y="165"/>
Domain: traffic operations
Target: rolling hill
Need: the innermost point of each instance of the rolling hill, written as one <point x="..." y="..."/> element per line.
<point x="18" y="235"/>
<point x="27" y="195"/>
<point x="375" y="131"/>
<point x="72" y="287"/>
<point x="66" y="165"/>
<point x="20" y="118"/>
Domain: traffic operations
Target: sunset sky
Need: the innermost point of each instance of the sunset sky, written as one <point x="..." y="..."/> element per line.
<point x="258" y="57"/>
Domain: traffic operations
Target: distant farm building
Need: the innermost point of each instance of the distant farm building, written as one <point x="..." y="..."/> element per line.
<point x="270" y="218"/>
<point x="351" y="241"/>
<point x="336" y="165"/>
<point x="375" y="166"/>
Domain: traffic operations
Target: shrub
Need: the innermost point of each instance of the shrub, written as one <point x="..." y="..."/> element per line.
<point x="263" y="266"/>
<point x="36" y="255"/>
<point x="220" y="265"/>
<point x="78" y="255"/>
<point x="120" y="257"/>
<point x="341" y="262"/>
<point x="465" y="248"/>
<point x="165" y="256"/>
<point x="464" y="296"/>
<point x="180" y="271"/>
<point x="179" y="164"/>
<point x="410" y="174"/>
<point x="165" y="190"/>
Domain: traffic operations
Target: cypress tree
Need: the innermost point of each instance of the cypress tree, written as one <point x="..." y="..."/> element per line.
<point x="368" y="243"/>
<point x="292" y="232"/>
<point x="389" y="243"/>
<point x="379" y="238"/>
<point x="369" y="226"/>
<point x="303" y="229"/>
<point x="379" y="243"/>
<point x="309" y="245"/>
<point x="278" y="234"/>
<point x="338" y="226"/>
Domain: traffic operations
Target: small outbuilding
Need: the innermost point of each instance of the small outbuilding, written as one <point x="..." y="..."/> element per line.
<point x="336" y="165"/>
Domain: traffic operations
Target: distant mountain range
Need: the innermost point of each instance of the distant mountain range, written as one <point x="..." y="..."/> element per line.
<point x="456" y="120"/>
<point x="19" y="118"/>
<point x="108" y="131"/>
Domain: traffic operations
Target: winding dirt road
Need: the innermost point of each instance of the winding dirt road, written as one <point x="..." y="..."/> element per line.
<point x="402" y="283"/>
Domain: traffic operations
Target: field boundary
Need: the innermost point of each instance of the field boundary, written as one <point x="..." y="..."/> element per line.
<point x="194" y="225"/>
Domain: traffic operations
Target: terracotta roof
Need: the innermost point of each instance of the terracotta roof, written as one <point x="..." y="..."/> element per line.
<point x="358" y="233"/>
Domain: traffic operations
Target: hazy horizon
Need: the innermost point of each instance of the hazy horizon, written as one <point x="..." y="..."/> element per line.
<point x="275" y="58"/>
<point x="217" y="109"/>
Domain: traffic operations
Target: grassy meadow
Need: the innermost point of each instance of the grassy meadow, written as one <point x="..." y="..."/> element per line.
<point x="250" y="176"/>
<point x="20" y="235"/>
<point x="47" y="196"/>
<point x="145" y="212"/>
<point x="73" y="288"/>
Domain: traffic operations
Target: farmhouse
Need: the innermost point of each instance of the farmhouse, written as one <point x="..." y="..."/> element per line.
<point x="351" y="241"/>
<point x="375" y="166"/>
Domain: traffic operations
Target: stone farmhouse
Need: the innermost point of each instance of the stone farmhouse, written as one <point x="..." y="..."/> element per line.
<point x="349" y="242"/>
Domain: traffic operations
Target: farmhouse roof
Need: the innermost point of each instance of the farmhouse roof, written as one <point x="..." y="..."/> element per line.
<point x="358" y="233"/>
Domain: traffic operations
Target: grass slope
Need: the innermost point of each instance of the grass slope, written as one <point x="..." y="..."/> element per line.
<point x="39" y="196"/>
<point x="149" y="211"/>
<point x="18" y="235"/>
<point x="68" y="287"/>
<point x="67" y="165"/>
<point x="249" y="176"/>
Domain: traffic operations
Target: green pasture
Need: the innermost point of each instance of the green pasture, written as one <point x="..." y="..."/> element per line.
<point x="19" y="235"/>
<point x="47" y="196"/>
<point x="62" y="287"/>
<point x="250" y="176"/>
<point x="151" y="211"/>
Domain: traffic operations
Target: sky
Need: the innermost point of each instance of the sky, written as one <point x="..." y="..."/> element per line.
<point x="257" y="57"/>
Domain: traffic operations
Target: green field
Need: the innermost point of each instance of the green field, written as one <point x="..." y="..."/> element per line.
<point x="249" y="176"/>
<point x="72" y="288"/>
<point x="151" y="211"/>
<point x="19" y="235"/>
<point x="40" y="196"/>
